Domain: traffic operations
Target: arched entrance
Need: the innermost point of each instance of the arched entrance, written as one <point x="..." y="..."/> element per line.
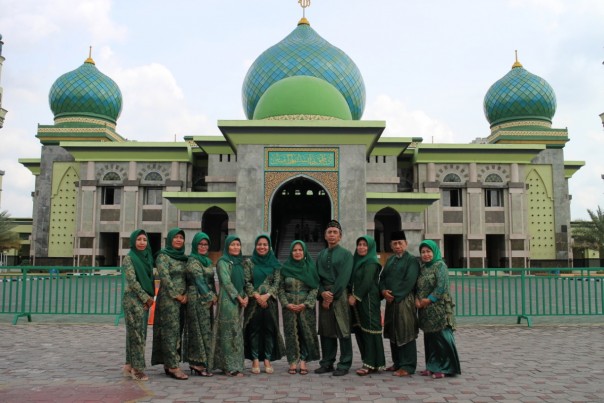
<point x="215" y="223"/>
<point x="299" y="210"/>
<point x="386" y="221"/>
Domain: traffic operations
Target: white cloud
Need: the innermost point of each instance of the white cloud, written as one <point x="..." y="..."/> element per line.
<point x="403" y="122"/>
<point x="155" y="107"/>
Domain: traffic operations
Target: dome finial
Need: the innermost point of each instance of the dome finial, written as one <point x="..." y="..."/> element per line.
<point x="89" y="60"/>
<point x="516" y="63"/>
<point x="304" y="4"/>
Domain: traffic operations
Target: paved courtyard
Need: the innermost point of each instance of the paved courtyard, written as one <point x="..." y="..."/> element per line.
<point x="51" y="361"/>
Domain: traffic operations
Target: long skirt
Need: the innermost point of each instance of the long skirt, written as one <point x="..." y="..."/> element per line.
<point x="441" y="353"/>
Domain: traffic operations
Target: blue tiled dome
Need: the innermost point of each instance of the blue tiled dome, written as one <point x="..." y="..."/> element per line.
<point x="304" y="53"/>
<point x="86" y="91"/>
<point x="519" y="95"/>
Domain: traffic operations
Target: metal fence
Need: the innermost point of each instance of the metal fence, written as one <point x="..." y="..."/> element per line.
<point x="35" y="290"/>
<point x="524" y="293"/>
<point x="519" y="293"/>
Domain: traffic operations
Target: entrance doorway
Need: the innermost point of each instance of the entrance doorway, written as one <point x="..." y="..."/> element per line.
<point x="108" y="249"/>
<point x="453" y="253"/>
<point x="300" y="209"/>
<point x="496" y="256"/>
<point x="215" y="223"/>
<point x="386" y="221"/>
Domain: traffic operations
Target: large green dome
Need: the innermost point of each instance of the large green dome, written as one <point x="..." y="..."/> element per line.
<point x="519" y="95"/>
<point x="86" y="91"/>
<point x="304" y="53"/>
<point x="302" y="98"/>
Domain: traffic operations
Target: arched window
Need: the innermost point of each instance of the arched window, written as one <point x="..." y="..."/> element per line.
<point x="493" y="178"/>
<point x="452" y="178"/>
<point x="112" y="177"/>
<point x="153" y="177"/>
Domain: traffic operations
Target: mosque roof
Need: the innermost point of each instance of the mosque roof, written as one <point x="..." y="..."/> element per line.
<point x="519" y="96"/>
<point x="87" y="92"/>
<point x="304" y="53"/>
<point x="302" y="97"/>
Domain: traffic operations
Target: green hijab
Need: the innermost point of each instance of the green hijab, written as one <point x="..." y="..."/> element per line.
<point x="203" y="259"/>
<point x="370" y="257"/>
<point x="435" y="250"/>
<point x="263" y="265"/>
<point x="178" y="254"/>
<point x="237" y="274"/>
<point x="143" y="262"/>
<point x="303" y="270"/>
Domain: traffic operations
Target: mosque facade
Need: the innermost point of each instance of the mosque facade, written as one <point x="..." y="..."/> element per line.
<point x="302" y="157"/>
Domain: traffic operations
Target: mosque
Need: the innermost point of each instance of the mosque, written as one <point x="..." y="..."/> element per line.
<point x="303" y="157"/>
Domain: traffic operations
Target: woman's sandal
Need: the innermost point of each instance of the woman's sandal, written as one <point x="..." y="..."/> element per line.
<point x="438" y="375"/>
<point x="303" y="371"/>
<point x="268" y="368"/>
<point x="425" y="372"/>
<point x="363" y="372"/>
<point x="292" y="371"/>
<point x="176" y="374"/>
<point x="235" y="374"/>
<point x="200" y="371"/>
<point x="138" y="375"/>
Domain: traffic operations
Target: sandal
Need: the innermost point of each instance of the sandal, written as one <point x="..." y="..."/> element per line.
<point x="268" y="368"/>
<point x="293" y="371"/>
<point x="401" y="372"/>
<point x="138" y="375"/>
<point x="176" y="374"/>
<point x="200" y="371"/>
<point x="438" y="375"/>
<point x="362" y="372"/>
<point x="235" y="374"/>
<point x="391" y="368"/>
<point x="303" y="371"/>
<point x="425" y="372"/>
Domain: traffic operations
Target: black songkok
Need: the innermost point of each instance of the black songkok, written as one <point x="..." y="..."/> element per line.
<point x="398" y="236"/>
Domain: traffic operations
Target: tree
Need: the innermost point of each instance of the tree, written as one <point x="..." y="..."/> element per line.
<point x="590" y="234"/>
<point x="9" y="239"/>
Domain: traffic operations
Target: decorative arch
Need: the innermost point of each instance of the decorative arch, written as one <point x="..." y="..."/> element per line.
<point x="275" y="180"/>
<point x="447" y="169"/>
<point x="487" y="171"/>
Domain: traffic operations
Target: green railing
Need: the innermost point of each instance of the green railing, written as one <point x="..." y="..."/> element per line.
<point x="519" y="293"/>
<point x="36" y="290"/>
<point x="524" y="293"/>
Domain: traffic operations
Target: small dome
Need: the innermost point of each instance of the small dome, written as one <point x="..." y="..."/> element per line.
<point x="519" y="95"/>
<point x="302" y="97"/>
<point x="86" y="91"/>
<point x="304" y="53"/>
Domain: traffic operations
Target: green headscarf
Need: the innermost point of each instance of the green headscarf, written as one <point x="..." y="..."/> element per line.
<point x="435" y="250"/>
<point x="370" y="257"/>
<point x="203" y="259"/>
<point x="263" y="265"/>
<point x="237" y="274"/>
<point x="178" y="254"/>
<point x="303" y="270"/>
<point x="143" y="262"/>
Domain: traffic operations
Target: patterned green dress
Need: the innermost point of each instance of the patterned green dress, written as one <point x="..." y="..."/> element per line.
<point x="169" y="313"/>
<point x="201" y="291"/>
<point x="437" y="320"/>
<point x="227" y="343"/>
<point x="299" y="285"/>
<point x="135" y="316"/>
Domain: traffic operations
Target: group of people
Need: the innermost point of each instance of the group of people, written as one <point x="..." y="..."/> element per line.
<point x="218" y="329"/>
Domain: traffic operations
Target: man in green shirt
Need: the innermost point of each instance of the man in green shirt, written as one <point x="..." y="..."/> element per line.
<point x="397" y="285"/>
<point x="334" y="265"/>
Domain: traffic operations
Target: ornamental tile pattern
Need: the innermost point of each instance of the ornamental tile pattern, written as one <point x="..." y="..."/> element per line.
<point x="304" y="53"/>
<point x="519" y="94"/>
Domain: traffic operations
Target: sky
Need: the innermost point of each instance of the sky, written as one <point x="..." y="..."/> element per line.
<point x="427" y="66"/>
